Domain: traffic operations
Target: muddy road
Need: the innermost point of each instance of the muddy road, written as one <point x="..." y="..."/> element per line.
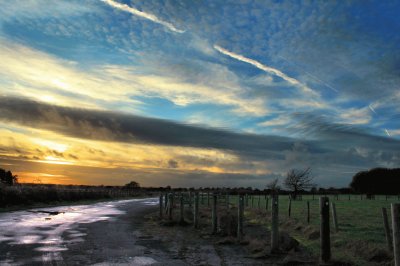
<point x="97" y="234"/>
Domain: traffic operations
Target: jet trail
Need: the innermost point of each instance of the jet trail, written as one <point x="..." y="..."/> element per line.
<point x="142" y="14"/>
<point x="265" y="68"/>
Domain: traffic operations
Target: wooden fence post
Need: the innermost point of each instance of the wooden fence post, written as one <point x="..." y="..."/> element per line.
<point x="202" y="197"/>
<point x="170" y="206"/>
<point x="161" y="206"/>
<point x="166" y="201"/>
<point x="247" y="200"/>
<point x="334" y="216"/>
<point x="190" y="199"/>
<point x="289" y="207"/>
<point x="387" y="229"/>
<point x="227" y="200"/>
<point x="259" y="201"/>
<point x="214" y="217"/>
<point x="208" y="199"/>
<point x="240" y="216"/>
<point x="196" y="211"/>
<point x="181" y="206"/>
<point x="308" y="212"/>
<point x="252" y="200"/>
<point x="325" y="230"/>
<point x="396" y="232"/>
<point x="275" y="223"/>
<point x="266" y="203"/>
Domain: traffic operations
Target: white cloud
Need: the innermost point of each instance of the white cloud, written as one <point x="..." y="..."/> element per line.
<point x="394" y="132"/>
<point x="202" y="45"/>
<point x="356" y="116"/>
<point x="142" y="14"/>
<point x="278" y="121"/>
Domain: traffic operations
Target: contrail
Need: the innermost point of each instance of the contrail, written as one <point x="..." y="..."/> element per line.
<point x="372" y="109"/>
<point x="387" y="132"/>
<point x="265" y="68"/>
<point x="142" y="14"/>
<point x="311" y="75"/>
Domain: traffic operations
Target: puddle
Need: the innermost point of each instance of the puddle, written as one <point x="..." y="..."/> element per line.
<point x="46" y="226"/>
<point x="143" y="261"/>
<point x="137" y="261"/>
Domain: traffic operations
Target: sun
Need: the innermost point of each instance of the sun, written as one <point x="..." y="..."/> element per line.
<point x="59" y="147"/>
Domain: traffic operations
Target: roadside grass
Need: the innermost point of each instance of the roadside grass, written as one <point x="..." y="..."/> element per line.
<point x="360" y="239"/>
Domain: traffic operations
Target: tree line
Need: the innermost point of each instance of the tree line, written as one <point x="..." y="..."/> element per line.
<point x="377" y="181"/>
<point x="297" y="181"/>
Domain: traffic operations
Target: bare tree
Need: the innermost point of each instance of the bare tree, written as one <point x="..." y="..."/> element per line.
<point x="273" y="185"/>
<point x="297" y="180"/>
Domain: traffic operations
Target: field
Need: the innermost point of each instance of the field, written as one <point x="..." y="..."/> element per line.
<point x="360" y="239"/>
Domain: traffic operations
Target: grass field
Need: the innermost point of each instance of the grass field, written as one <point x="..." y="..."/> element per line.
<point x="360" y="239"/>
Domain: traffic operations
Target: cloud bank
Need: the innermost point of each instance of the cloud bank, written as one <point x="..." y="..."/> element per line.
<point x="112" y="126"/>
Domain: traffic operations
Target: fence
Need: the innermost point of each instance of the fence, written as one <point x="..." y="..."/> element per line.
<point x="330" y="209"/>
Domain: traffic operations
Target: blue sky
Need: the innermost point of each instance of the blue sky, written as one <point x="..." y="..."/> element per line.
<point x="321" y="76"/>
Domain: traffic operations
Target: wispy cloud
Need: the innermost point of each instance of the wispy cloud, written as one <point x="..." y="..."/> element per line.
<point x="142" y="14"/>
<point x="354" y="116"/>
<point x="23" y="11"/>
<point x="265" y="68"/>
<point x="278" y="121"/>
<point x="395" y="132"/>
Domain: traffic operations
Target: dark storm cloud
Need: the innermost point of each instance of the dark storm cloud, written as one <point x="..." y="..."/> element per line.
<point x="119" y="127"/>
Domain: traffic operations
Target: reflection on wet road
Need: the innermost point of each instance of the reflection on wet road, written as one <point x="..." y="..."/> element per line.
<point x="48" y="231"/>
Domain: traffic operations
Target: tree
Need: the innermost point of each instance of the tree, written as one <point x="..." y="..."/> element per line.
<point x="298" y="180"/>
<point x="273" y="185"/>
<point x="377" y="181"/>
<point x="6" y="177"/>
<point x="132" y="184"/>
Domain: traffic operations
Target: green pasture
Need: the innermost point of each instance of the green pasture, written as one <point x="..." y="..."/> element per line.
<point x="360" y="221"/>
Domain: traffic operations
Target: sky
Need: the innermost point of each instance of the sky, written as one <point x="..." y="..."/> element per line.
<point x="198" y="93"/>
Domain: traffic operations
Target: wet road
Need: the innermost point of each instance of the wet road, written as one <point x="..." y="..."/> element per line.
<point x="97" y="234"/>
